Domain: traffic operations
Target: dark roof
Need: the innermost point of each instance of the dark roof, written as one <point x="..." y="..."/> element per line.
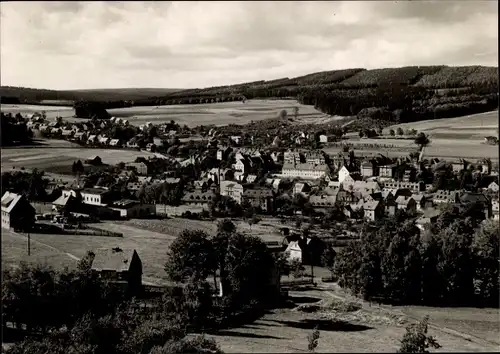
<point x="198" y="196"/>
<point x="124" y="203"/>
<point x="257" y="193"/>
<point x="94" y="190"/>
<point x="116" y="259"/>
<point x="474" y="198"/>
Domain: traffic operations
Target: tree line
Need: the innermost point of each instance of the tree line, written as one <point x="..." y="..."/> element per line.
<point x="454" y="262"/>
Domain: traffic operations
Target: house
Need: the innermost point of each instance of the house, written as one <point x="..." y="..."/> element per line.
<point x="323" y="138"/>
<point x="415" y="187"/>
<point x="199" y="198"/>
<point x="301" y="188"/>
<point x="277" y="157"/>
<point x="493" y="187"/>
<point x="422" y="202"/>
<point x="237" y="139"/>
<point x="353" y="211"/>
<point x="203" y="184"/>
<point x="231" y="189"/>
<point x="343" y="174"/>
<point x="315" y="157"/>
<point x="17" y="212"/>
<point x="171" y="181"/>
<point x="491" y="140"/>
<point x="368" y="169"/>
<point x="119" y="266"/>
<point x="445" y="196"/>
<point x="223" y="153"/>
<point x="373" y="210"/>
<point x="66" y="204"/>
<point x="95" y="196"/>
<point x="114" y="142"/>
<point x="132" y="208"/>
<point x="140" y="167"/>
<point x="307" y="250"/>
<point x="478" y="198"/>
<point x="67" y="133"/>
<point x="458" y="166"/>
<point x="390" y="204"/>
<point x="387" y="170"/>
<point x="430" y="217"/>
<point x="151" y="147"/>
<point x="80" y="136"/>
<point x="407" y="204"/>
<point x="103" y="140"/>
<point x="251" y="178"/>
<point x="92" y="139"/>
<point x="242" y="165"/>
<point x="259" y="198"/>
<point x="323" y="201"/>
<point x="94" y="160"/>
<point x="304" y="170"/>
<point x="495" y="209"/>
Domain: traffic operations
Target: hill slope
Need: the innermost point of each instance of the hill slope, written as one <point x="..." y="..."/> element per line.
<point x="391" y="94"/>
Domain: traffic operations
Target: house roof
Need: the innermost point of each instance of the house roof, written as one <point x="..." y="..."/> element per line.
<point x="198" y="196"/>
<point x="257" y="192"/>
<point x="116" y="259"/>
<point x="305" y="167"/>
<point x="124" y="203"/>
<point x="323" y="200"/>
<point x="172" y="180"/>
<point x="474" y="198"/>
<point x="403" y="200"/>
<point x="10" y="201"/>
<point x="62" y="200"/>
<point x="98" y="191"/>
<point x="371" y="205"/>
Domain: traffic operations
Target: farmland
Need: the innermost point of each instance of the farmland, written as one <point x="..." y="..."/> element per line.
<point x="191" y="115"/>
<point x="457" y="137"/>
<point x="44" y="157"/>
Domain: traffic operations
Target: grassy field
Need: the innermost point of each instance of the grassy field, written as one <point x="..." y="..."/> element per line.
<point x="193" y="115"/>
<point x="42" y="157"/>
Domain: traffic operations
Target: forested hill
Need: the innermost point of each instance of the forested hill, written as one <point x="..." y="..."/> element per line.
<point x="394" y="94"/>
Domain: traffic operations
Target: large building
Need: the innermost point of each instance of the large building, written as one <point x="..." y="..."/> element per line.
<point x="231" y="189"/>
<point x="17" y="212"/>
<point x="304" y="170"/>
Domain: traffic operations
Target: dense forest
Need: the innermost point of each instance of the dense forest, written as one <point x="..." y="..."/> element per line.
<point x="395" y="94"/>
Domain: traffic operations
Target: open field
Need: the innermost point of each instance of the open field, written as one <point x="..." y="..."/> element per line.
<point x="197" y="114"/>
<point x="50" y="111"/>
<point x="42" y="157"/>
<point x="370" y="329"/>
<point x="474" y="127"/>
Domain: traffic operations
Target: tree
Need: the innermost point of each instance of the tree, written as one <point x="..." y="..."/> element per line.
<point x="400" y="131"/>
<point x="190" y="255"/>
<point x="361" y="133"/>
<point x="328" y="259"/>
<point x="296" y="268"/>
<point x="486" y="254"/>
<point x="312" y="339"/>
<point x="422" y="140"/>
<point x="283" y="114"/>
<point x="296" y="111"/>
<point x="416" y="340"/>
<point x="391" y="132"/>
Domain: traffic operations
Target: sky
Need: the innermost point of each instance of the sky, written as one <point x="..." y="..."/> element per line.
<point x="99" y="44"/>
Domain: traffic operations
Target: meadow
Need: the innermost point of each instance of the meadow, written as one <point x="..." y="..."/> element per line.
<point x="223" y="113"/>
<point x="44" y="158"/>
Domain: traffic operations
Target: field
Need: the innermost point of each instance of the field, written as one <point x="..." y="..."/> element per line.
<point x="193" y="115"/>
<point x="43" y="157"/>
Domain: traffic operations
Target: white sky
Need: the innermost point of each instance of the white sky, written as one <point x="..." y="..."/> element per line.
<point x="79" y="45"/>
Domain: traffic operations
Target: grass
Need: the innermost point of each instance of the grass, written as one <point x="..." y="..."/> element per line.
<point x="192" y="115"/>
<point x="44" y="157"/>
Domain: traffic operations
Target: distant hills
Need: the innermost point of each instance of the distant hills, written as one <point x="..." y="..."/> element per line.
<point x="391" y="94"/>
<point x="65" y="96"/>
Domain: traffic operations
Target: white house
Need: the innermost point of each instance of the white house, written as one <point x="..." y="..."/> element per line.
<point x="231" y="189"/>
<point x="343" y="174"/>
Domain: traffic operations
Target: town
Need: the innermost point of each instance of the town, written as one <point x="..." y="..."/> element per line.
<point x="320" y="204"/>
<point x="231" y="177"/>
